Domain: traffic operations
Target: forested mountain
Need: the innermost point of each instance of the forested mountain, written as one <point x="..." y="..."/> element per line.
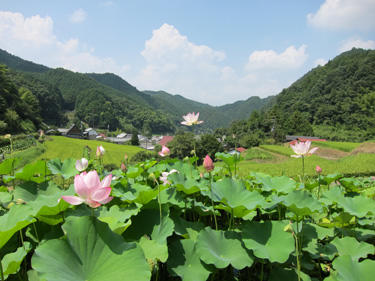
<point x="335" y="101"/>
<point x="340" y="93"/>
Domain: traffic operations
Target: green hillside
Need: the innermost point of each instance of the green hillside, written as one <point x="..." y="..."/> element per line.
<point x="341" y="93"/>
<point x="17" y="63"/>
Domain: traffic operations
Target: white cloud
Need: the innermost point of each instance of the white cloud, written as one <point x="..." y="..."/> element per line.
<point x="344" y="15"/>
<point x="179" y="66"/>
<point x="32" y="38"/>
<point x="107" y="3"/>
<point x="269" y="59"/>
<point x="78" y="16"/>
<point x="320" y="62"/>
<point x="356" y="43"/>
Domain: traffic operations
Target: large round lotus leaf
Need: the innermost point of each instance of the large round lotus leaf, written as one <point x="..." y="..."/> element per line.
<point x="188" y="186"/>
<point x="118" y="218"/>
<point x="358" y="206"/>
<point x="281" y="184"/>
<point x="153" y="250"/>
<point x="44" y="200"/>
<point x="185" y="262"/>
<point x="173" y="197"/>
<point x="91" y="252"/>
<point x="18" y="217"/>
<point x="35" y="171"/>
<point x="147" y="222"/>
<point x="12" y="261"/>
<point x="67" y="168"/>
<point x="222" y="248"/>
<point x="234" y="194"/>
<point x="350" y="246"/>
<point x="346" y="269"/>
<point x="268" y="240"/>
<point x="301" y="203"/>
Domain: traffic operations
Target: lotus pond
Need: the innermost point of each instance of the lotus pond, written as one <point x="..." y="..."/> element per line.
<point x="185" y="225"/>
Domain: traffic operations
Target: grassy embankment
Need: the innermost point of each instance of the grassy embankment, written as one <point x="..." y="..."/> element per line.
<point x="63" y="148"/>
<point x="332" y="157"/>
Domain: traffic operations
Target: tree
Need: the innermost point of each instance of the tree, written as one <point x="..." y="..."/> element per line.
<point x="208" y="144"/>
<point x="134" y="140"/>
<point x="182" y="145"/>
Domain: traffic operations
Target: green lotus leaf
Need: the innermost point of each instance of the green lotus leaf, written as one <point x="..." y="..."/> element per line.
<point x="188" y="186"/>
<point x="5" y="197"/>
<point x="234" y="194"/>
<point x="163" y="230"/>
<point x="118" y="218"/>
<point x="8" y="165"/>
<point x="67" y="168"/>
<point x="184" y="228"/>
<point x="12" y="261"/>
<point x="35" y="171"/>
<point x="238" y="212"/>
<point x="147" y="222"/>
<point x="312" y="231"/>
<point x="281" y="184"/>
<point x="173" y="197"/>
<point x="351" y="184"/>
<point x="268" y="240"/>
<point x="186" y="169"/>
<point x="91" y="252"/>
<point x="18" y="217"/>
<point x="346" y="269"/>
<point x="185" y="262"/>
<point x="134" y="172"/>
<point x="328" y="179"/>
<point x="32" y="275"/>
<point x="153" y="250"/>
<point x="301" y="203"/>
<point x="44" y="200"/>
<point x="358" y="206"/>
<point x="350" y="246"/>
<point x="144" y="193"/>
<point x="222" y="248"/>
<point x="318" y="250"/>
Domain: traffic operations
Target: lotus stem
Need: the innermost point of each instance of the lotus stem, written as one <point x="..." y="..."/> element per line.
<point x="231" y="219"/>
<point x="261" y="272"/>
<point x="36" y="232"/>
<point x="159" y="201"/>
<point x="23" y="244"/>
<point x="318" y="186"/>
<point x="1" y="271"/>
<point x="212" y="201"/>
<point x="303" y="169"/>
<point x="297" y="257"/>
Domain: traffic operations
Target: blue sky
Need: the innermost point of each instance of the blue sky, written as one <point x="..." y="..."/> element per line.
<point x="212" y="51"/>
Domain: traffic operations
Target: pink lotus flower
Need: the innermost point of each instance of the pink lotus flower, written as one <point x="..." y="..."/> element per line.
<point x="318" y="169"/>
<point x="208" y="164"/>
<point x="164" y="177"/>
<point x="191" y="119"/>
<point x="302" y="149"/>
<point x="90" y="190"/>
<point x="100" y="151"/>
<point x="123" y="167"/>
<point x="164" y="151"/>
<point x="82" y="164"/>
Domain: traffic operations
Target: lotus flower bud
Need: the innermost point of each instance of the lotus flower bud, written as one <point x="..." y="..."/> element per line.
<point x="100" y="151"/>
<point x="123" y="167"/>
<point x="208" y="164"/>
<point x="318" y="169"/>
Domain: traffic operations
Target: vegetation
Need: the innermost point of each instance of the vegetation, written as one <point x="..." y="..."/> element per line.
<point x="64" y="148"/>
<point x="183" y="225"/>
<point x="343" y="146"/>
<point x="257" y="154"/>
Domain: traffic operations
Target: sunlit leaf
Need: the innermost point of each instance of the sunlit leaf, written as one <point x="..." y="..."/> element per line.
<point x="91" y="252"/>
<point x="222" y="248"/>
